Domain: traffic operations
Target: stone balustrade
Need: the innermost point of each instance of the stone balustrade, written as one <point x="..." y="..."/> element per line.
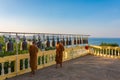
<point x="106" y="51"/>
<point x="19" y="64"/>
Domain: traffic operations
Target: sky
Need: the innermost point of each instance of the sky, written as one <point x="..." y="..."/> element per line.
<point x="98" y="18"/>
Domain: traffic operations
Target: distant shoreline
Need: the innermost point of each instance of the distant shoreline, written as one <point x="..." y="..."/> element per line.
<point x="98" y="41"/>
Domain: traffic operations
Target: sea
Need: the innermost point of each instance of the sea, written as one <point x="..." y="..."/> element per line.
<point x="98" y="41"/>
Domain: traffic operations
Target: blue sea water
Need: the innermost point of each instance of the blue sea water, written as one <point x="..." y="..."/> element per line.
<point x="98" y="41"/>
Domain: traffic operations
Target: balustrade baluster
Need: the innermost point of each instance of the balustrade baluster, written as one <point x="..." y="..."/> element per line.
<point x="115" y="52"/>
<point x="118" y="53"/>
<point x="98" y="51"/>
<point x="23" y="64"/>
<point x="102" y="52"/>
<point x="2" y="72"/>
<point x="28" y="62"/>
<point x="95" y="52"/>
<point x="107" y="52"/>
<point x="44" y="59"/>
<point x="50" y="57"/>
<point x="111" y="52"/>
<point x="40" y="60"/>
<point x="9" y="69"/>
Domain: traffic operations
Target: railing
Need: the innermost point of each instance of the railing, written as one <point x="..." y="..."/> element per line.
<point x="14" y="43"/>
<point x="106" y="51"/>
<point x="19" y="64"/>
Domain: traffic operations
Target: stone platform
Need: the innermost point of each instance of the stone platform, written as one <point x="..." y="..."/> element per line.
<point x="83" y="68"/>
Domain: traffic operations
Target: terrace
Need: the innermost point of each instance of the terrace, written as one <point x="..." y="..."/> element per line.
<point x="79" y="63"/>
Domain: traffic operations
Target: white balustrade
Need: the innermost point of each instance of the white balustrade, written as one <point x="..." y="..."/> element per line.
<point x="106" y="51"/>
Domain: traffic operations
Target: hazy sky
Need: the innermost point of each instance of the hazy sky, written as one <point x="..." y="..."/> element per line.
<point x="98" y="18"/>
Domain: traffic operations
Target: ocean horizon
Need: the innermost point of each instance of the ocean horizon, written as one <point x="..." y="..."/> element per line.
<point x="98" y="41"/>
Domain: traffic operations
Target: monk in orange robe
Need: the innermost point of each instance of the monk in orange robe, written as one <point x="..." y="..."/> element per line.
<point x="59" y="54"/>
<point x="33" y="50"/>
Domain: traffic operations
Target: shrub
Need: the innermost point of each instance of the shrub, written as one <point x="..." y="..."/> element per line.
<point x="49" y="48"/>
<point x="109" y="44"/>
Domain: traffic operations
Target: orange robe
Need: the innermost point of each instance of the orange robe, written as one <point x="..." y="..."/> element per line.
<point x="33" y="50"/>
<point x="59" y="53"/>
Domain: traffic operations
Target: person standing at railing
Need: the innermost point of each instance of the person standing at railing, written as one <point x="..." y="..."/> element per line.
<point x="59" y="54"/>
<point x="33" y="50"/>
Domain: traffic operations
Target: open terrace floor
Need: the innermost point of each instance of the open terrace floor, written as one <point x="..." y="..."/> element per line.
<point x="83" y="68"/>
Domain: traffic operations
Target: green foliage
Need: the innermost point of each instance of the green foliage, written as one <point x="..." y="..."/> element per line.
<point x="8" y="53"/>
<point x="2" y="42"/>
<point x="12" y="65"/>
<point x="1" y="39"/>
<point x="49" y="48"/>
<point x="23" y="51"/>
<point x="0" y="68"/>
<point x="2" y="54"/>
<point x="109" y="44"/>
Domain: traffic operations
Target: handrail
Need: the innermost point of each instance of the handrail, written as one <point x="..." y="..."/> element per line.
<point x="43" y="33"/>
